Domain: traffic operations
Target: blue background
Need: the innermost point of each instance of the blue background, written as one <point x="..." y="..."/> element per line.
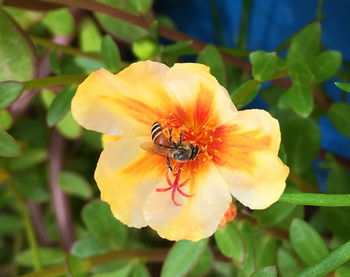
<point x="271" y="23"/>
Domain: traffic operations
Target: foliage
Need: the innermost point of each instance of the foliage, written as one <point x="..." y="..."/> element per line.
<point x="52" y="220"/>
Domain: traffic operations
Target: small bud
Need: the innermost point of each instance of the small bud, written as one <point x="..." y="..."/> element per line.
<point x="229" y="215"/>
<point x="145" y="48"/>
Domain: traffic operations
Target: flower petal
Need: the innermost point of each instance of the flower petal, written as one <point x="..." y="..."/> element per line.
<point x="247" y="157"/>
<point x="125" y="104"/>
<point x="198" y="216"/>
<point x="125" y="175"/>
<point x="262" y="186"/>
<point x="201" y="96"/>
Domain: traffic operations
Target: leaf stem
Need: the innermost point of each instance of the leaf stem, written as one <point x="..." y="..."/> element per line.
<point x="23" y="209"/>
<point x="316" y="199"/>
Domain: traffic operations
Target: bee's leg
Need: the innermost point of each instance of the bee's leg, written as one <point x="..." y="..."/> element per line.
<point x="168" y="164"/>
<point x="180" y="141"/>
<point x="170" y="137"/>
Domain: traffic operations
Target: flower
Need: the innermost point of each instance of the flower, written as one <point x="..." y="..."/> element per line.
<point x="237" y="149"/>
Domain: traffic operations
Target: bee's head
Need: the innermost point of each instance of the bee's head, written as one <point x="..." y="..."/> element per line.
<point x="195" y="152"/>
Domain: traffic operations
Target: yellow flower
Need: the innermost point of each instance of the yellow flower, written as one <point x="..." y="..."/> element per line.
<point x="237" y="150"/>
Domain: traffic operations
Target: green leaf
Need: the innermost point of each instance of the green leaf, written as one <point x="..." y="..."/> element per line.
<point x="288" y="265"/>
<point x="326" y="65"/>
<point x="8" y="145"/>
<point x="74" y="184"/>
<point x="119" y="28"/>
<point x="245" y="93"/>
<point x="102" y="225"/>
<point x="90" y="38"/>
<point x="177" y="47"/>
<point x="33" y="186"/>
<point x="339" y="114"/>
<point x="204" y="264"/>
<point x="31" y="157"/>
<point x="10" y="224"/>
<point x="59" y="21"/>
<point x="269" y="271"/>
<point x="299" y="99"/>
<point x="110" y="54"/>
<point x="141" y="6"/>
<point x="5" y="120"/>
<point x="342" y="272"/>
<point x="274" y="214"/>
<point x="246" y="230"/>
<point x="230" y="242"/>
<point x="343" y="86"/>
<point x="49" y="256"/>
<point x="307" y="243"/>
<point x="9" y="92"/>
<point x="16" y="51"/>
<point x="300" y="73"/>
<point x="77" y="267"/>
<point x="266" y="252"/>
<point x="301" y="138"/>
<point x="145" y="48"/>
<point x="211" y="57"/>
<point x="182" y="257"/>
<point x="305" y="45"/>
<point x="140" y="270"/>
<point x="332" y="261"/>
<point x="264" y="65"/>
<point x="60" y="106"/>
<point x="88" y="247"/>
<point x="69" y="128"/>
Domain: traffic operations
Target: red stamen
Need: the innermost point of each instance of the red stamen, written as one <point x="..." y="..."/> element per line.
<point x="175" y="186"/>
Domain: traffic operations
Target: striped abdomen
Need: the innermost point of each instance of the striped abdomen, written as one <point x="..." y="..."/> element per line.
<point x="157" y="134"/>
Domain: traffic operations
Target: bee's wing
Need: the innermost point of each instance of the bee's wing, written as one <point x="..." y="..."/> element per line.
<point x="155" y="148"/>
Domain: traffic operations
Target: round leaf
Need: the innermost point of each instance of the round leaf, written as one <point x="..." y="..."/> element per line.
<point x="9" y="92"/>
<point x="264" y="65"/>
<point x="16" y="51"/>
<point x="74" y="184"/>
<point x="211" y="57"/>
<point x="102" y="225"/>
<point x="230" y="242"/>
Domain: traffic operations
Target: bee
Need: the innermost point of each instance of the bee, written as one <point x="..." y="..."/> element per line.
<point x="161" y="145"/>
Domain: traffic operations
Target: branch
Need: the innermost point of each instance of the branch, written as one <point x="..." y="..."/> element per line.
<point x="59" y="198"/>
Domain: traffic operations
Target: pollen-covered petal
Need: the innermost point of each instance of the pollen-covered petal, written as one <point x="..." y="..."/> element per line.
<point x="202" y="98"/>
<point x="198" y="216"/>
<point x="262" y="186"/>
<point x="125" y="104"/>
<point x="126" y="175"/>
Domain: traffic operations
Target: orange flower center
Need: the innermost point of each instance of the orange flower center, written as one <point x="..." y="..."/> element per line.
<point x="183" y="172"/>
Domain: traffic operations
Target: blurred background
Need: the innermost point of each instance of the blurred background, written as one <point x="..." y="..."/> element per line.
<point x="51" y="216"/>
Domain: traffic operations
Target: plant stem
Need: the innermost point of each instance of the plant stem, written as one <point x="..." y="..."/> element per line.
<point x="244" y="25"/>
<point x="151" y="255"/>
<point x="28" y="226"/>
<point x="54" y="81"/>
<point x="316" y="199"/>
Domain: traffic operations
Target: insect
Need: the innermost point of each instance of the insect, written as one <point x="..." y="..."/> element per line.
<point x="161" y="145"/>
